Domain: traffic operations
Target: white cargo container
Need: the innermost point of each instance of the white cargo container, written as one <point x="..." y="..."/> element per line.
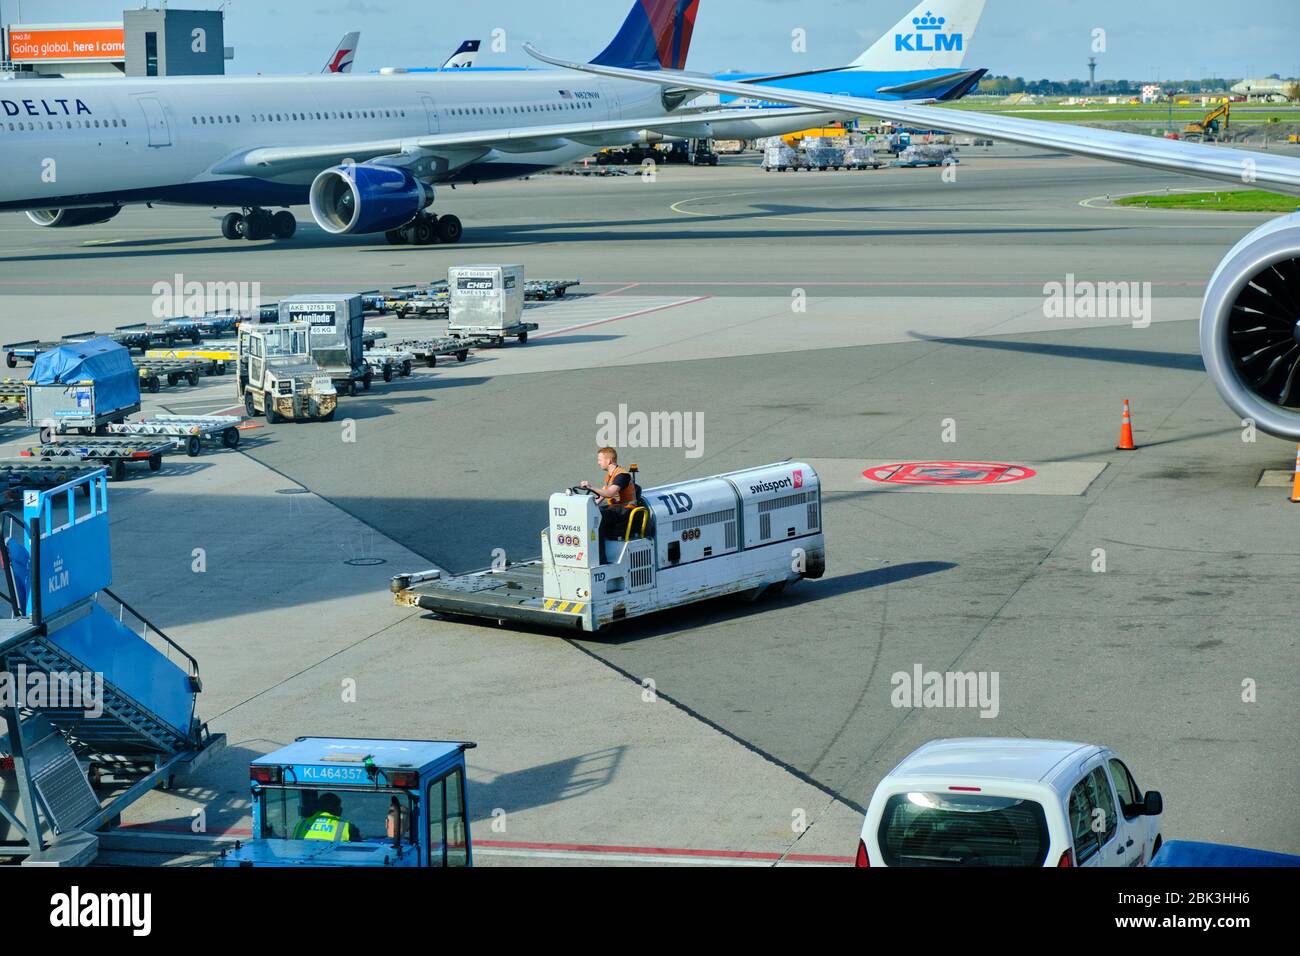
<point x="487" y="302"/>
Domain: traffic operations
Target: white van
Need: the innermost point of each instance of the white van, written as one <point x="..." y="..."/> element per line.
<point x="1010" y="802"/>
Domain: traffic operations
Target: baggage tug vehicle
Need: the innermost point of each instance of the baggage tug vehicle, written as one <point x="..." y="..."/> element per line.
<point x="747" y="532"/>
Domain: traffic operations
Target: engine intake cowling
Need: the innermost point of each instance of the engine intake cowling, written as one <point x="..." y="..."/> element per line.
<point x="366" y="198"/>
<point x="1250" y="327"/>
<point x="66" y="218"/>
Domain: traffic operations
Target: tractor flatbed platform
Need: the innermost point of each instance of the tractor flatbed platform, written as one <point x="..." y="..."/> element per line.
<point x="514" y="593"/>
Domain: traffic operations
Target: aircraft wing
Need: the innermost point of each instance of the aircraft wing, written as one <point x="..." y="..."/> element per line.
<point x="1280" y="173"/>
<point x="456" y="148"/>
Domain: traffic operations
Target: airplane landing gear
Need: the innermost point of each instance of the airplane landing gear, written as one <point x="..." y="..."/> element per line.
<point x="426" y="229"/>
<point x="257" y="223"/>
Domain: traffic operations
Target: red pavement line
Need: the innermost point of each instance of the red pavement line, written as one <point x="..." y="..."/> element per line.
<point x="648" y="851"/>
<point x="653" y="851"/>
<point x="620" y="318"/>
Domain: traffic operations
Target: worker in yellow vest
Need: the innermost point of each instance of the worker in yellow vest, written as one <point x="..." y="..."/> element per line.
<point x="327" y="823"/>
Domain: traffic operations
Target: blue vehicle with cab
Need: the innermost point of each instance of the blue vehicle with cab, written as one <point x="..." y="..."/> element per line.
<point x="344" y="801"/>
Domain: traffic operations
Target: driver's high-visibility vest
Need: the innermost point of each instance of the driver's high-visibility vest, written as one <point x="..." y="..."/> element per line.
<point x="626" y="499"/>
<point x="322" y="826"/>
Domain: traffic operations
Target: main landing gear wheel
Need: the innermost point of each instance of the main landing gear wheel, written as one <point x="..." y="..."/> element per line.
<point x="283" y="225"/>
<point x="449" y="230"/>
<point x="424" y="232"/>
<point x="232" y="225"/>
<point x="257" y="225"/>
<point x="396" y="237"/>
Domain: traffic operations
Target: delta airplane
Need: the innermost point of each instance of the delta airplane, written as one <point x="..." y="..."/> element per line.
<point x="1250" y="316"/>
<point x="365" y="153"/>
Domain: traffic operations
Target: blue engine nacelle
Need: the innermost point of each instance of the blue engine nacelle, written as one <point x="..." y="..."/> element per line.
<point x="366" y="198"/>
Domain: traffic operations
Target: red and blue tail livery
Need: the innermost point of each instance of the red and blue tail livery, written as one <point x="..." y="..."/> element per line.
<point x="656" y="35"/>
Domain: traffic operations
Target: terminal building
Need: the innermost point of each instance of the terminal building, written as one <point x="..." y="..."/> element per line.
<point x="143" y="43"/>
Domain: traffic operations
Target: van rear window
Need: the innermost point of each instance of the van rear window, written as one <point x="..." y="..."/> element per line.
<point x="966" y="829"/>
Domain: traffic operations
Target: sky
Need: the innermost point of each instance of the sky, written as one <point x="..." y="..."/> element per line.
<point x="1048" y="39"/>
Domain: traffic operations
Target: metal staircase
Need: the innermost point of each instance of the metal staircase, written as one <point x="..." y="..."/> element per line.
<point x="118" y="695"/>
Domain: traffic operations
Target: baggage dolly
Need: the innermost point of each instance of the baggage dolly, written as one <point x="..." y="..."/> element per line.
<point x="143" y="337"/>
<point x="28" y="350"/>
<point x="541" y="289"/>
<point x="13" y="393"/>
<point x="391" y="362"/>
<point x="496" y="338"/>
<point x="428" y="350"/>
<point x="31" y="474"/>
<point x="185" y="431"/>
<point x="152" y="371"/>
<point x="110" y="452"/>
<point x="213" y="359"/>
<point x="215" y="325"/>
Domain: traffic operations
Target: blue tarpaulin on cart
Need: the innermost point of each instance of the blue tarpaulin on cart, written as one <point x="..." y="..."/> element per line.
<point x="99" y="360"/>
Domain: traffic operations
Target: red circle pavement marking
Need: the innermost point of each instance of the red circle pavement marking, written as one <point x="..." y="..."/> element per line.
<point x="948" y="473"/>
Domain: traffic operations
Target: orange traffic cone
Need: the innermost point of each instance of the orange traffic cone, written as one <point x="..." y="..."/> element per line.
<point x="1295" y="482"/>
<point x="1126" y="431"/>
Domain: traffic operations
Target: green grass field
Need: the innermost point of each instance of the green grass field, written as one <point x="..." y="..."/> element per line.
<point x="1246" y="200"/>
<point x="1156" y="114"/>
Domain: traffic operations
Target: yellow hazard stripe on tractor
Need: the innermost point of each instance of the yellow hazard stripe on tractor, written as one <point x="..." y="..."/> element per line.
<point x="564" y="607"/>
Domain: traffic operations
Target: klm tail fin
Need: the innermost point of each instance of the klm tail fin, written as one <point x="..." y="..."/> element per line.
<point x="656" y="35"/>
<point x="934" y="36"/>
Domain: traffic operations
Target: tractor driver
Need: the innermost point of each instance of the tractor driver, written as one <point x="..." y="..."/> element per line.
<point x="617" y="497"/>
<point x="327" y="822"/>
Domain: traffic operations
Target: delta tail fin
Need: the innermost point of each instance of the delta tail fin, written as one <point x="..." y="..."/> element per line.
<point x="933" y="36"/>
<point x="656" y="35"/>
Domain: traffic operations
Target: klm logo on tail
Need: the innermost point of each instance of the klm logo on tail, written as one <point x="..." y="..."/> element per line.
<point x="928" y="37"/>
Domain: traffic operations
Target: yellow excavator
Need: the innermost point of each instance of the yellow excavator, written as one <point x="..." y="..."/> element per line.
<point x="1212" y="127"/>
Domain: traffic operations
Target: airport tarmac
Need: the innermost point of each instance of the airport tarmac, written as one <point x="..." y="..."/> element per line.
<point x="852" y="320"/>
